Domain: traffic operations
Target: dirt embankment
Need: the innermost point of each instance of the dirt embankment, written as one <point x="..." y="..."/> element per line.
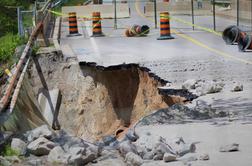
<point x="99" y="101"/>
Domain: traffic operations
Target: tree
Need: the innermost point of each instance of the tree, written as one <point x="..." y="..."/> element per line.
<point x="8" y="14"/>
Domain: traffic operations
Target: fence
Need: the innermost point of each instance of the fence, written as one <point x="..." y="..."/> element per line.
<point x="213" y="14"/>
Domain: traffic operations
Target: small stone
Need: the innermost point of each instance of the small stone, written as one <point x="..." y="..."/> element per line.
<point x="57" y="155"/>
<point x="127" y="146"/>
<point x="148" y="155"/>
<point x="89" y="157"/>
<point x="230" y="148"/>
<point x="42" y="131"/>
<point x="133" y="159"/>
<point x="35" y="162"/>
<point x="108" y="139"/>
<point x="168" y="157"/>
<point x="40" y="146"/>
<point x="18" y="145"/>
<point x="189" y="84"/>
<point x="237" y="87"/>
<point x="158" y="156"/>
<point x="13" y="159"/>
<point x="160" y="149"/>
<point x="204" y="157"/>
<point x="4" y="161"/>
<point x="131" y="135"/>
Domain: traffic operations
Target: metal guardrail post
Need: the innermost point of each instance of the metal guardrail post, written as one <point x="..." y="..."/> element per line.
<point x="192" y="7"/>
<point x="238" y="12"/>
<point x="214" y="21"/>
<point x="115" y="19"/>
<point x="155" y="13"/>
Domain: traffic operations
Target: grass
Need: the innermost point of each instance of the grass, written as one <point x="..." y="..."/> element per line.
<point x="8" y="44"/>
<point x="8" y="151"/>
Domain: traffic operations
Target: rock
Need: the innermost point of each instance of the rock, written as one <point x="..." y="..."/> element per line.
<point x="76" y="155"/>
<point x="40" y="146"/>
<point x="237" y="87"/>
<point x="4" y="161"/>
<point x="127" y="146"/>
<point x="89" y="157"/>
<point x="81" y="156"/>
<point x="230" y="148"/>
<point x="160" y="149"/>
<point x="131" y="135"/>
<point x="13" y="159"/>
<point x="148" y="155"/>
<point x="158" y="156"/>
<point x="188" y="158"/>
<point x="49" y="102"/>
<point x="208" y="87"/>
<point x="169" y="157"/>
<point x="189" y="84"/>
<point x="18" y="145"/>
<point x="108" y="139"/>
<point x="133" y="159"/>
<point x="42" y="131"/>
<point x="58" y="155"/>
<point x="204" y="157"/>
<point x="186" y="148"/>
<point x="35" y="162"/>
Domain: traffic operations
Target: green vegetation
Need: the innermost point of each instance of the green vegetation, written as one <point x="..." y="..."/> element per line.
<point x="8" y="44"/>
<point x="8" y="21"/>
<point x="74" y="2"/>
<point x="8" y="151"/>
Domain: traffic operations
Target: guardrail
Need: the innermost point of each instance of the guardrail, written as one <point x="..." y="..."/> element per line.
<point x="4" y="102"/>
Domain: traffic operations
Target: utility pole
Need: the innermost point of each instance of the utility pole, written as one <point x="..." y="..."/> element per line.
<point x="155" y="13"/>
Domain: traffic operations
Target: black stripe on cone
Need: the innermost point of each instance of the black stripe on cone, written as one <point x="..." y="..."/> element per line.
<point x="73" y="29"/>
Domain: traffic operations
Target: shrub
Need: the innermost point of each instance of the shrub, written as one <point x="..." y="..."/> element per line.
<point x="8" y="151"/>
<point x="8" y="44"/>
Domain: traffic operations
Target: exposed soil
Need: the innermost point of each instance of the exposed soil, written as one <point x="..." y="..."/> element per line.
<point x="98" y="101"/>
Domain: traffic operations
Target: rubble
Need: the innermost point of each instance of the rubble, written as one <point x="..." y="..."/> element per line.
<point x="237" y="87"/>
<point x="168" y="157"/>
<point x="133" y="159"/>
<point x="230" y="148"/>
<point x="41" y="146"/>
<point x="204" y="157"/>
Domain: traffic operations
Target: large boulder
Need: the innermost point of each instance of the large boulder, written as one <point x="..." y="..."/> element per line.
<point x="42" y="131"/>
<point x="18" y="145"/>
<point x="40" y="146"/>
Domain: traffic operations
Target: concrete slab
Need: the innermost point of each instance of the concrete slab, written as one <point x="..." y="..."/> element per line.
<point x="50" y="103"/>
